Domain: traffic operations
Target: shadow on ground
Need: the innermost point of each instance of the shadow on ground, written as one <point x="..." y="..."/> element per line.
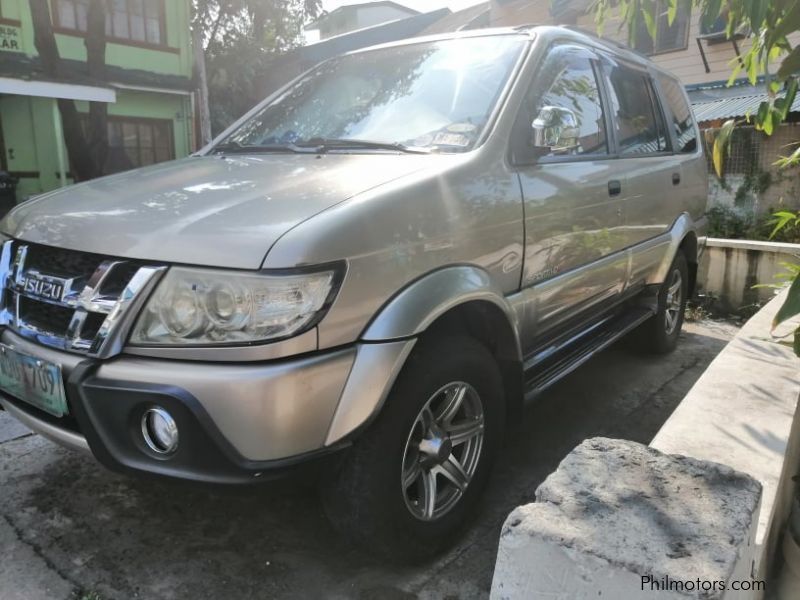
<point x="134" y="538"/>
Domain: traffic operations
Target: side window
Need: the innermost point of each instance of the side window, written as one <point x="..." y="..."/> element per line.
<point x="568" y="117"/>
<point x="682" y="121"/>
<point x="635" y="112"/>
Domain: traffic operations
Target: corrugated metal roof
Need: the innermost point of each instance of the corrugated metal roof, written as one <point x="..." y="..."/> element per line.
<point x="739" y="106"/>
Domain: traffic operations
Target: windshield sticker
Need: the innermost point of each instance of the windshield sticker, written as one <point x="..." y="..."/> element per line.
<point x="450" y="139"/>
<point x="462" y="128"/>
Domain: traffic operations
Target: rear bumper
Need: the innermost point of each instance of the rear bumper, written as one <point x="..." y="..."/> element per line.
<point x="238" y="422"/>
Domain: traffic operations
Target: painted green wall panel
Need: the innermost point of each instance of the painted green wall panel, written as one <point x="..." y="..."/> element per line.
<point x="20" y="142"/>
<point x="29" y="124"/>
<point x="118" y="54"/>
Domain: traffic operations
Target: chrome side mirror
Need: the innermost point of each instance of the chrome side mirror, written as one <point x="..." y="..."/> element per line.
<point x="555" y="129"/>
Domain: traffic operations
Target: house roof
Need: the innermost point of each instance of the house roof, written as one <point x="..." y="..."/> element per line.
<point x="468" y="18"/>
<point x="369" y="36"/>
<point x="355" y="6"/>
<point x="714" y="104"/>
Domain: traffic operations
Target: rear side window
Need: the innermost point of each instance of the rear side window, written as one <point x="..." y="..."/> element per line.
<point x="635" y="112"/>
<point x="682" y="121"/>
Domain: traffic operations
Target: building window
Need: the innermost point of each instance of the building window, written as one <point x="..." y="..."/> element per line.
<point x="137" y="142"/>
<point x="136" y="20"/>
<point x="668" y="37"/>
<point x="140" y="142"/>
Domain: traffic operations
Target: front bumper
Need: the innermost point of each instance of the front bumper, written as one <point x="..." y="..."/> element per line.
<point x="238" y="422"/>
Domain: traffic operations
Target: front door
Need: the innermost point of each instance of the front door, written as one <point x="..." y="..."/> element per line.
<point x="573" y="191"/>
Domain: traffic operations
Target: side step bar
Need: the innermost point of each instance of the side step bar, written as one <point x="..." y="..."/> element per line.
<point x="542" y="372"/>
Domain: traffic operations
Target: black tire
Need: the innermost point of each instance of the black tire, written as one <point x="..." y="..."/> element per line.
<point x="655" y="335"/>
<point x="365" y="499"/>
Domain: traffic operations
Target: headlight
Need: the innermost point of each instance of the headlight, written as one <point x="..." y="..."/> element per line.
<point x="205" y="306"/>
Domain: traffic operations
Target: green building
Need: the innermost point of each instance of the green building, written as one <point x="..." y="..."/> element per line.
<point x="149" y="87"/>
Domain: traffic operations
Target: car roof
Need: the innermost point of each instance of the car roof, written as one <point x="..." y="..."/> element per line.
<point x="546" y="32"/>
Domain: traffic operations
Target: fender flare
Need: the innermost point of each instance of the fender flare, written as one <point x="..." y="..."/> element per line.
<point x="683" y="226"/>
<point x="391" y="335"/>
<point x="418" y="305"/>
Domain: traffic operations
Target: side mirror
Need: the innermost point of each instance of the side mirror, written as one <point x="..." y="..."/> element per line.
<point x="555" y="130"/>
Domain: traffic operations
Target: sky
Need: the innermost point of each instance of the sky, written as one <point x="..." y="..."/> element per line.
<point x="420" y="5"/>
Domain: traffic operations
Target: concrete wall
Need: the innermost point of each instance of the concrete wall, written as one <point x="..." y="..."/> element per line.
<point x="742" y="412"/>
<point x="753" y="155"/>
<point x="730" y="268"/>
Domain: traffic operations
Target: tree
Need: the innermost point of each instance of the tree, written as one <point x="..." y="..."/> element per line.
<point x="241" y="41"/>
<point x="772" y="23"/>
<point x="87" y="147"/>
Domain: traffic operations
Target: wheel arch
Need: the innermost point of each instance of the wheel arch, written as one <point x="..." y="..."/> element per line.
<point x="688" y="246"/>
<point x="486" y="323"/>
<point x="682" y="238"/>
<point x="459" y="298"/>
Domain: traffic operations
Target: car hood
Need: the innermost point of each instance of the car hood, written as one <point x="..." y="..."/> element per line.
<point x="207" y="210"/>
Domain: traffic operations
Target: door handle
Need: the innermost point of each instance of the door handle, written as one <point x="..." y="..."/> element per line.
<point x="676" y="178"/>
<point x="614" y="187"/>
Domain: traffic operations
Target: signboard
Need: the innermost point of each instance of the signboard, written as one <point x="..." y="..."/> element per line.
<point x="10" y="40"/>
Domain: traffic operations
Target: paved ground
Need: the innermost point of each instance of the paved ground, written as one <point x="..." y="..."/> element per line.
<point x="69" y="529"/>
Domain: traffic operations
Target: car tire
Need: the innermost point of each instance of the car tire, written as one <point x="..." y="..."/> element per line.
<point x="659" y="335"/>
<point x="368" y="500"/>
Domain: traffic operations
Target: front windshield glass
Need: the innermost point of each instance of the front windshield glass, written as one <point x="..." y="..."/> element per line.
<point x="433" y="95"/>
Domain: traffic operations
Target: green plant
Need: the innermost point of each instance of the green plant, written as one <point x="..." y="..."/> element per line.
<point x="725" y="222"/>
<point x="790" y="306"/>
<point x="734" y="224"/>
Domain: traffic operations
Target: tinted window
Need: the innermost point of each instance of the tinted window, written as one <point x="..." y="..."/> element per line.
<point x="570" y="110"/>
<point x="635" y="112"/>
<point x="682" y="121"/>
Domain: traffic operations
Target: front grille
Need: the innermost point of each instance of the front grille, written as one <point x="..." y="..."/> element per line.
<point x="70" y="300"/>
<point x="44" y="316"/>
<point x="61" y="263"/>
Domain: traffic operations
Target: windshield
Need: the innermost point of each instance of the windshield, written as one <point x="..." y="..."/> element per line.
<point x="436" y="96"/>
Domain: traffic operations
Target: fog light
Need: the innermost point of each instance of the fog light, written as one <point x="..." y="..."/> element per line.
<point x="160" y="431"/>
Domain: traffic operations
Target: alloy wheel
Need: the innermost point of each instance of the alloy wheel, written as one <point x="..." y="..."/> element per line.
<point x="674" y="302"/>
<point x="443" y="451"/>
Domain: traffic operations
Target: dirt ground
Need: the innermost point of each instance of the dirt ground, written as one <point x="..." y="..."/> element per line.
<point x="71" y="530"/>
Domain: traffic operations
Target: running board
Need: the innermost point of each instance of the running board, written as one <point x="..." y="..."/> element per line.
<point x="542" y="373"/>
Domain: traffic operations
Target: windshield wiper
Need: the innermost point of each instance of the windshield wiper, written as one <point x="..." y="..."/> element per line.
<point x="239" y="148"/>
<point x="325" y="144"/>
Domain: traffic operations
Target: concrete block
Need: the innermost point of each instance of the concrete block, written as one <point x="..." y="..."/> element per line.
<point x="620" y="520"/>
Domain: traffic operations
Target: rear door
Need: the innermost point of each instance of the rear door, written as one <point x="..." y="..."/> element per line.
<point x="572" y="188"/>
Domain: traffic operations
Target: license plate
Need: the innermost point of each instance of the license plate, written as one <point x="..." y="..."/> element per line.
<point x="33" y="380"/>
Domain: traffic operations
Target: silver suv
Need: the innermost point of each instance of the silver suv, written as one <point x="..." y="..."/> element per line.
<point x="371" y="271"/>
